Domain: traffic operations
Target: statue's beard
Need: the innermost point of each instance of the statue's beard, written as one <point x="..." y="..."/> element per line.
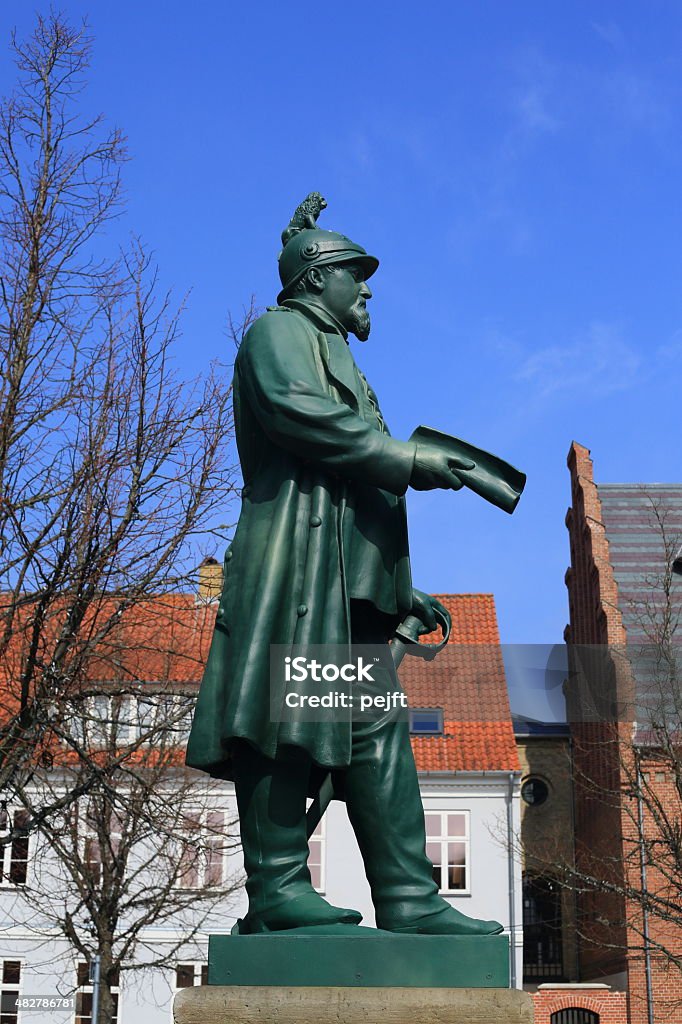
<point x="359" y="323"/>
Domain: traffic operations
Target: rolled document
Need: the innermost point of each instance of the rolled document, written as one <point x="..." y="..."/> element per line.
<point x="491" y="477"/>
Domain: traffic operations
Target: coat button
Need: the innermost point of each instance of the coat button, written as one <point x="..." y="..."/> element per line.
<point x="228" y="556"/>
<point x="246" y="491"/>
<point x="315" y="521"/>
<point x="301" y="610"/>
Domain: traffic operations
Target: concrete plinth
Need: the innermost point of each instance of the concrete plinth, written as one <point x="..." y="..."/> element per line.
<point x="215" y="1004"/>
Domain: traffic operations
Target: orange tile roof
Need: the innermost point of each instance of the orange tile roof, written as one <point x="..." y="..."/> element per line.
<point x="161" y="638"/>
<point x="166" y="638"/>
<point x="468" y="747"/>
<point x="467" y="680"/>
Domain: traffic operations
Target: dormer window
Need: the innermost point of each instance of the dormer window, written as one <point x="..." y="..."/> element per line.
<point x="426" y="721"/>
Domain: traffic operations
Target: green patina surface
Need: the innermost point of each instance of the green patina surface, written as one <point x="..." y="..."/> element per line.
<point x="366" y="958"/>
<point x="320" y="556"/>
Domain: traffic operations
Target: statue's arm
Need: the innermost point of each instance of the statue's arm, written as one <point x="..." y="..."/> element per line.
<point x="281" y="376"/>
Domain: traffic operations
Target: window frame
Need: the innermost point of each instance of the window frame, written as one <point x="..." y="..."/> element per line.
<point x="10" y="988"/>
<point x="140" y="712"/>
<point x="543" y="934"/>
<point x="202" y="864"/>
<point x="573" y="1015"/>
<point x="158" y="707"/>
<point x="89" y="840"/>
<point x="10" y="858"/>
<point x="436" y="712"/>
<point x="443" y="838"/>
<point x="91" y="728"/>
<point x="86" y="989"/>
<point x="531" y="780"/>
<point x="199" y="971"/>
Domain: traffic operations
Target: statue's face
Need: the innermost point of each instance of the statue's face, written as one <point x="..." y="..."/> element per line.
<point x="345" y="294"/>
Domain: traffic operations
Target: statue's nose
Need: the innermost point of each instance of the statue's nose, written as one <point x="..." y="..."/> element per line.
<point x="365" y="290"/>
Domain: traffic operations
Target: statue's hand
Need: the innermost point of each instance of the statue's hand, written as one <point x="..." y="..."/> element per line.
<point x="433" y="468"/>
<point x="445" y="614"/>
<point x="422" y="609"/>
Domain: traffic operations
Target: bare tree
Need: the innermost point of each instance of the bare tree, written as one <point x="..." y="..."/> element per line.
<point x="111" y="466"/>
<point x="237" y="326"/>
<point x="147" y="846"/>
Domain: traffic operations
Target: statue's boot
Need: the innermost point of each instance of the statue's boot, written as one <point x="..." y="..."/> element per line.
<point x="271" y="797"/>
<point x="386" y="812"/>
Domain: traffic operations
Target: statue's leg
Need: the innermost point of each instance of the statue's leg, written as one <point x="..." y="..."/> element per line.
<point x="387" y="815"/>
<point x="386" y="812"/>
<point x="271" y="797"/>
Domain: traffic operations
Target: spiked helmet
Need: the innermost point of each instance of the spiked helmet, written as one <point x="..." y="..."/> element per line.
<point x="306" y="245"/>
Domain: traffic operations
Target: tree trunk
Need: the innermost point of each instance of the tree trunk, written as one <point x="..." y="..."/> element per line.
<point x="106" y="1013"/>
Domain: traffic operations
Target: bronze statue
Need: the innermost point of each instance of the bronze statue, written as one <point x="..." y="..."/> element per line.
<point x="320" y="556"/>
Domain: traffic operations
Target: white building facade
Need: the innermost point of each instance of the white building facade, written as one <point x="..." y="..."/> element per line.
<point x="467" y="817"/>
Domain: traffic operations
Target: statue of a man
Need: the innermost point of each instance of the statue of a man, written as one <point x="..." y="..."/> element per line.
<point x="320" y="556"/>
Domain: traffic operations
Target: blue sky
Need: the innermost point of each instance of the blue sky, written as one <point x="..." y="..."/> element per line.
<point x="516" y="168"/>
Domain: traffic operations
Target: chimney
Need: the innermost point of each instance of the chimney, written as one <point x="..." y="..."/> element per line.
<point x="210" y="579"/>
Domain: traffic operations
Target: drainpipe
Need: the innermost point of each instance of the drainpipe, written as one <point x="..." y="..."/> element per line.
<point x="95" y="979"/>
<point x="512" y="776"/>
<point x="645" y="892"/>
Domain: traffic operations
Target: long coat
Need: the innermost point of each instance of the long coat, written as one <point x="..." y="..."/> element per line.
<point x="323" y="484"/>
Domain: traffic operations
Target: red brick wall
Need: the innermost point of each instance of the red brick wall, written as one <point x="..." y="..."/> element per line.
<point x="592" y="588"/>
<point x="595" y="620"/>
<point x="666" y="983"/>
<point x="661" y="797"/>
<point x="611" y="1006"/>
<point x="611" y="834"/>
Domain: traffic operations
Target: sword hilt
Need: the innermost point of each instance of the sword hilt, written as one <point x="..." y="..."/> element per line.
<point x="406" y="640"/>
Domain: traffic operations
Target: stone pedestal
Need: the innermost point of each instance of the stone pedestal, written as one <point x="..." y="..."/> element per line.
<point x="352" y="975"/>
<point x="253" y="1004"/>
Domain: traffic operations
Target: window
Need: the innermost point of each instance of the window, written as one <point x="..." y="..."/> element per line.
<point x="84" y="995"/>
<point x="447" y="847"/>
<point x="316" y="859"/>
<point x="574" y="1015"/>
<point x="100" y="821"/>
<point x="202" y="857"/>
<point x="188" y="975"/>
<point x="534" y="792"/>
<point x="178" y="711"/>
<point x="162" y="716"/>
<point x="542" y="952"/>
<point x="99" y="720"/>
<point x="426" y="721"/>
<point x="10" y="976"/>
<point x="13" y="855"/>
<point x="120" y="719"/>
<point x="149" y="715"/>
